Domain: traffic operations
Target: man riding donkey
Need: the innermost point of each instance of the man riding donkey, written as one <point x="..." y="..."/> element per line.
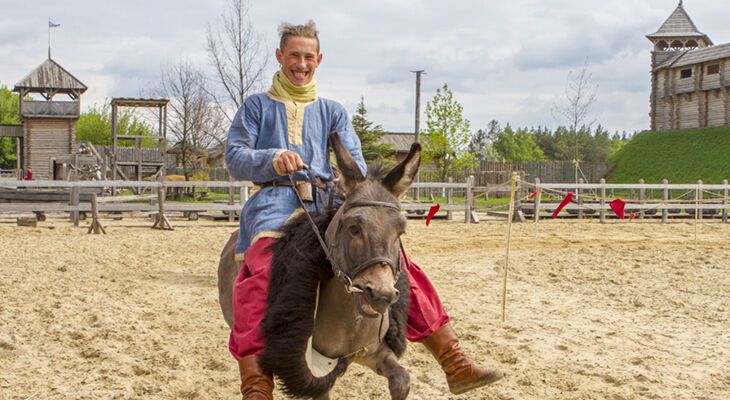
<point x="279" y="133"/>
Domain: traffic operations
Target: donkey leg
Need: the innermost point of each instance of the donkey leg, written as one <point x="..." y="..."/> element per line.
<point x="325" y="396"/>
<point x="385" y="363"/>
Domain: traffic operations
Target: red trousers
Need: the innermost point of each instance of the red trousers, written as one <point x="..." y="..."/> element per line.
<point x="425" y="313"/>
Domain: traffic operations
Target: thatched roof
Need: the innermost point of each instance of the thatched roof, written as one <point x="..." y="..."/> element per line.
<point x="50" y="76"/>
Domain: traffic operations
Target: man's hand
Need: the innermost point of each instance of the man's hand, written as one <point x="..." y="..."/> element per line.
<point x="289" y="162"/>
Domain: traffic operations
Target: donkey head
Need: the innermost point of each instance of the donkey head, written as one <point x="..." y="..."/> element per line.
<point x="364" y="236"/>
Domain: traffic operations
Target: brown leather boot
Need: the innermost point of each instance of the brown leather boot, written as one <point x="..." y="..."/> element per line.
<point x="255" y="383"/>
<point x="462" y="374"/>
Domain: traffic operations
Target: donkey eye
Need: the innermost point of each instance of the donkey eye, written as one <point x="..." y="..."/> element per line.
<point x="354" y="230"/>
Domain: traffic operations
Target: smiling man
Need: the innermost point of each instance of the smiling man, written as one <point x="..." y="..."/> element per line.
<point x="277" y="133"/>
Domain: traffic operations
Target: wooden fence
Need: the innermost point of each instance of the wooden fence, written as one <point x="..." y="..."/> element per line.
<point x="537" y="199"/>
<point x="697" y="200"/>
<point x="121" y="203"/>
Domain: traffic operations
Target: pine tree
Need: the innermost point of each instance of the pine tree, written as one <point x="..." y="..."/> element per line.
<point x="370" y="134"/>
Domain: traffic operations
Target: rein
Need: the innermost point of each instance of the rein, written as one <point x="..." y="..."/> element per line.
<point x="339" y="273"/>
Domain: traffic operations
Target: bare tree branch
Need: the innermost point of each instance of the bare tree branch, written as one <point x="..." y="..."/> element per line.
<point x="194" y="120"/>
<point x="575" y="108"/>
<point x="238" y="56"/>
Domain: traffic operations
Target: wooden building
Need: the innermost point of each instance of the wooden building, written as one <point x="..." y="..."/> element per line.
<point x="401" y="143"/>
<point x="690" y="79"/>
<point x="49" y="124"/>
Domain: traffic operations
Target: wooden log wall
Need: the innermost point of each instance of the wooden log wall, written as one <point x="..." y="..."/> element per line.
<point x="45" y="140"/>
<point x="699" y="101"/>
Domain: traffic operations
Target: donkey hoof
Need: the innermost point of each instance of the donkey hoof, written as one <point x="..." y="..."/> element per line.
<point x="400" y="386"/>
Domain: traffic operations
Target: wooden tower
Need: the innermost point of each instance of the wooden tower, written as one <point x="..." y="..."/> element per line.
<point x="677" y="33"/>
<point x="49" y="124"/>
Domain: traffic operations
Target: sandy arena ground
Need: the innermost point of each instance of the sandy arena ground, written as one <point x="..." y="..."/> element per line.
<point x="618" y="311"/>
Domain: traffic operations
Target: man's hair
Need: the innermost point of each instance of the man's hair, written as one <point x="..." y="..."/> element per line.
<point x="287" y="30"/>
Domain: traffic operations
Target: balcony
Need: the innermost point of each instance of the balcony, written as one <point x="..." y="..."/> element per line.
<point x="49" y="109"/>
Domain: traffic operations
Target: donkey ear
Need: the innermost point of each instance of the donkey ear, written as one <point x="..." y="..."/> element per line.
<point x="350" y="170"/>
<point x="400" y="178"/>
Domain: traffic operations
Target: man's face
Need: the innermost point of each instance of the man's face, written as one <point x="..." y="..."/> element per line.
<point x="299" y="59"/>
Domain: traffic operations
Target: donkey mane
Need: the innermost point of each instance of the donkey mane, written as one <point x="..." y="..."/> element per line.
<point x="298" y="265"/>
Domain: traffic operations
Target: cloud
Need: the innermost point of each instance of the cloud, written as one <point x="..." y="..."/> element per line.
<point x="503" y="60"/>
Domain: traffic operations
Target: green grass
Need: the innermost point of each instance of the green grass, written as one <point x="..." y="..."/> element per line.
<point x="479" y="202"/>
<point x="683" y="156"/>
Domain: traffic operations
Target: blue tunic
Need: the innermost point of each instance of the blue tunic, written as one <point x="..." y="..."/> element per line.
<point x="263" y="128"/>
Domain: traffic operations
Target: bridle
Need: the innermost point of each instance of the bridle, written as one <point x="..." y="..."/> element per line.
<point x="339" y="273"/>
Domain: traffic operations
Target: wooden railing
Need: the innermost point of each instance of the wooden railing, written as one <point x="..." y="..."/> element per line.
<point x="590" y="199"/>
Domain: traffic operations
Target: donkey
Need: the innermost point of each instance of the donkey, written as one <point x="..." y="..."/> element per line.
<point x="325" y="313"/>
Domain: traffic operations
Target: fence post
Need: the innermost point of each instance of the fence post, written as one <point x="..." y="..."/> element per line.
<point x="578" y="192"/>
<point x="468" y="204"/>
<point x="95" y="226"/>
<point x="450" y="200"/>
<point x="75" y="215"/>
<point x="642" y="193"/>
<point x="699" y="199"/>
<point x="724" y="200"/>
<point x="665" y="199"/>
<point x="603" y="201"/>
<point x="538" y="196"/>
<point x="161" y="222"/>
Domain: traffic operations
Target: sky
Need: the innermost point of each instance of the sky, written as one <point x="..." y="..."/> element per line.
<point x="503" y="60"/>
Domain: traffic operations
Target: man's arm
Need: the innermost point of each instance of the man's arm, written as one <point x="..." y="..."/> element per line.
<point x="243" y="160"/>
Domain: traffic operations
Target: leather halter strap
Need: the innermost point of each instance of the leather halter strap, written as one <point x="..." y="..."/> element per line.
<point x="336" y="269"/>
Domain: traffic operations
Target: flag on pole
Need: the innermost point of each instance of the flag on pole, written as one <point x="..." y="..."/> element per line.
<point x="52" y="25"/>
<point x="434" y="209"/>
<point x="618" y="207"/>
<point x="568" y="198"/>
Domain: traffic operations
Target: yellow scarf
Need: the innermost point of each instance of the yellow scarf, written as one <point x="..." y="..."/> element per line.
<point x="282" y="87"/>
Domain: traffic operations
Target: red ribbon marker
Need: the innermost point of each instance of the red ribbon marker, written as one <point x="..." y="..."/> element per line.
<point x="568" y="199"/>
<point x="434" y="209"/>
<point x="633" y="215"/>
<point x="618" y="207"/>
<point x="533" y="194"/>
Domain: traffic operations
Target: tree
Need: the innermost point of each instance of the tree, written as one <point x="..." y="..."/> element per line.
<point x="447" y="135"/>
<point x="574" y="109"/>
<point x="95" y="125"/>
<point x="238" y="56"/>
<point x="517" y="146"/>
<point x="481" y="143"/>
<point x="370" y="134"/>
<point x="9" y="114"/>
<point x="194" y="119"/>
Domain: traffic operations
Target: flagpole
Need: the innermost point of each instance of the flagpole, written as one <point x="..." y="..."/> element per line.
<point x="49" y="37"/>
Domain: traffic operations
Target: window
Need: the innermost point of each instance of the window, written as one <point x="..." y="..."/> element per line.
<point x="713" y="69"/>
<point x="685" y="73"/>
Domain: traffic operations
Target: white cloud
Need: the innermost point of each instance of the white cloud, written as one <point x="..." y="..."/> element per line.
<point x="503" y="60"/>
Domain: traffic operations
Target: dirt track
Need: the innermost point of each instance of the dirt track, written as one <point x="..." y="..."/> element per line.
<point x="618" y="311"/>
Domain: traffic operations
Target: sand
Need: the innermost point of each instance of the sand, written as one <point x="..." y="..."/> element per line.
<point x="629" y="310"/>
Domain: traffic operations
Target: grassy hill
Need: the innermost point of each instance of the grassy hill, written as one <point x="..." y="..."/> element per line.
<point x="682" y="156"/>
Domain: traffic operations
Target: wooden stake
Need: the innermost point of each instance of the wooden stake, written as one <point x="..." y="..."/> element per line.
<point x="161" y="222"/>
<point x="515" y="177"/>
<point x="95" y="226"/>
